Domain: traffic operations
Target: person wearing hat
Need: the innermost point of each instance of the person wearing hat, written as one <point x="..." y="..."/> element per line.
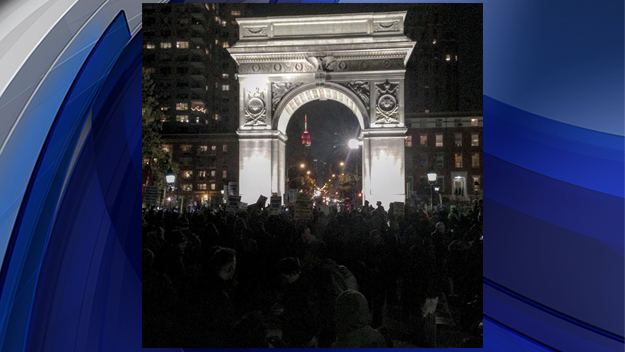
<point x="352" y="323"/>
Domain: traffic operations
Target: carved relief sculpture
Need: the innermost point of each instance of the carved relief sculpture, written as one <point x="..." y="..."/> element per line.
<point x="386" y="26"/>
<point x="255" y="110"/>
<point x="362" y="90"/>
<point x="386" y="108"/>
<point x="322" y="63"/>
<point x="255" y="31"/>
<point x="278" y="90"/>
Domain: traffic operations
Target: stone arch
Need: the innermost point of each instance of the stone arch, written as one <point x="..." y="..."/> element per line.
<point x="311" y="92"/>
<point x="358" y="60"/>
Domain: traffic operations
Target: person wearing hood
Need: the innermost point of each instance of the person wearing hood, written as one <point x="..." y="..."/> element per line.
<point x="352" y="323"/>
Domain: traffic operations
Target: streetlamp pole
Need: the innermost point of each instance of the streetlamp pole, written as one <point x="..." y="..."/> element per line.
<point x="431" y="180"/>
<point x="170" y="178"/>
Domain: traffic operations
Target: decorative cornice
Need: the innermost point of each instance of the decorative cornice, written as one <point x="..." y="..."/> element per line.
<point x="262" y="58"/>
<point x="335" y="66"/>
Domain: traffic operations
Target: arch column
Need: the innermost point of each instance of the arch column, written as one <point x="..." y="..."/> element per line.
<point x="383" y="165"/>
<point x="262" y="168"/>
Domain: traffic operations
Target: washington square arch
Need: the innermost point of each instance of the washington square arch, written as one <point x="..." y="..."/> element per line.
<point x="358" y="60"/>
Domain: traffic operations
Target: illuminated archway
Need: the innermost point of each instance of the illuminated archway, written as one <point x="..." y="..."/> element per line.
<point x="311" y="92"/>
<point x="357" y="60"/>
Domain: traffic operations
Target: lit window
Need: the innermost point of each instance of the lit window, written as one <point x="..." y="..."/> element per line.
<point x="185" y="148"/>
<point x="225" y="87"/>
<point x="163" y="118"/>
<point x="224" y="174"/>
<point x="216" y="117"/>
<point x="197" y="119"/>
<point x="448" y="57"/>
<point x="187" y="174"/>
<point x="476" y="182"/>
<point x="475" y="160"/>
<point x="201" y="186"/>
<point x="224" y="23"/>
<point x="201" y="174"/>
<point x="182" y="118"/>
<point x="216" y="41"/>
<point x="150" y="46"/>
<point x="408" y="141"/>
<point x="458" y="160"/>
<point x="423" y="140"/>
<point x="186" y="187"/>
<point x="225" y="75"/>
<point x="166" y="45"/>
<point x="164" y="108"/>
<point x="434" y="42"/>
<point x="213" y="150"/>
<point x="182" y="45"/>
<point x="213" y="173"/>
<point x="475" y="140"/>
<point x="235" y="13"/>
<point x="225" y="45"/>
<point x="458" y="139"/>
<point x="212" y="186"/>
<point x="473" y="122"/>
<point x="456" y="57"/>
<point x="439" y="140"/>
<point x="167" y="148"/>
<point x="202" y="148"/>
<point x="225" y="148"/>
<point x="182" y="106"/>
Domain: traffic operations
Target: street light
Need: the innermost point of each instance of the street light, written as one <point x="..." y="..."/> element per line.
<point x="170" y="177"/>
<point x="302" y="165"/>
<point x="432" y="180"/>
<point x="476" y="188"/>
<point x="342" y="163"/>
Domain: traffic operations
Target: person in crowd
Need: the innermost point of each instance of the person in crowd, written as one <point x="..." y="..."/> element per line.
<point x="327" y="281"/>
<point x="352" y="323"/>
<point x="299" y="322"/>
<point x="380" y="211"/>
<point x="160" y="304"/>
<point x="401" y="266"/>
<point x="219" y="313"/>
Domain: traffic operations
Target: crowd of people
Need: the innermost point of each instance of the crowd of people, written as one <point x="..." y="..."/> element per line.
<point x="214" y="279"/>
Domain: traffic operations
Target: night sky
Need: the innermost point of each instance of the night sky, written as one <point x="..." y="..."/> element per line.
<point x="330" y="124"/>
